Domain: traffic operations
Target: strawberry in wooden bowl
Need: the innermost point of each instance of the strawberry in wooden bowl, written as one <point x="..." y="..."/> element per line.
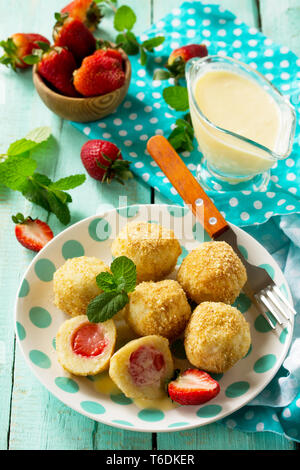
<point x="104" y="90"/>
<point x="79" y="78"/>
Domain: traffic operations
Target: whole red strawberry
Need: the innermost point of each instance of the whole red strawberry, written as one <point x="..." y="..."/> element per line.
<point x="18" y="46"/>
<point x="33" y="234"/>
<point x="193" y="387"/>
<point x="103" y="161"/>
<point x="179" y="57"/>
<point x="86" y="11"/>
<point x="100" y="73"/>
<point x="56" y="65"/>
<point x="73" y="34"/>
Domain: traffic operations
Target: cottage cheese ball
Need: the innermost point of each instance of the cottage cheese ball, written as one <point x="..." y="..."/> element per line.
<point x="217" y="336"/>
<point x="153" y="248"/>
<point x="158" y="308"/>
<point x="74" y="284"/>
<point x="142" y="367"/>
<point x="85" y="348"/>
<point x="212" y="272"/>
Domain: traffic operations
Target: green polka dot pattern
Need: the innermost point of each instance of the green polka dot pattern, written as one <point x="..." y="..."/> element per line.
<point x="40" y="317"/>
<point x="44" y="269"/>
<point x="264" y="363"/>
<point x="20" y="331"/>
<point x="72" y="249"/>
<point x="121" y="399"/>
<point x="92" y="407"/>
<point x="149" y="414"/>
<point x="40" y="359"/>
<point x="128" y="212"/>
<point x="237" y="389"/>
<point x="24" y="290"/>
<point x="66" y="384"/>
<point x="38" y="320"/>
<point x="99" y="230"/>
<point x="209" y="411"/>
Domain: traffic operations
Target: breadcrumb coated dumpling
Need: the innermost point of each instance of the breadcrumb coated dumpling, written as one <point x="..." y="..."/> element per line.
<point x="217" y="336"/>
<point x="85" y="348"/>
<point x="141" y="367"/>
<point x="212" y="272"/>
<point x="158" y="308"/>
<point x="74" y="284"/>
<point x="153" y="248"/>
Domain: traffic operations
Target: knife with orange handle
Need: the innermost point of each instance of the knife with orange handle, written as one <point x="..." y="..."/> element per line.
<point x="186" y="185"/>
<point x="259" y="286"/>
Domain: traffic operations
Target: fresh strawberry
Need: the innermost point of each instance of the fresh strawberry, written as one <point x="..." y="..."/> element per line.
<point x="99" y="74"/>
<point x="56" y="65"/>
<point x="87" y="11"/>
<point x="179" y="57"/>
<point x="73" y="34"/>
<point x="103" y="161"/>
<point x="18" y="46"/>
<point x="193" y="387"/>
<point x="33" y="234"/>
<point x="107" y="51"/>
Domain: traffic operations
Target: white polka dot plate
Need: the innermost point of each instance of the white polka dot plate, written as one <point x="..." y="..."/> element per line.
<point x="37" y="322"/>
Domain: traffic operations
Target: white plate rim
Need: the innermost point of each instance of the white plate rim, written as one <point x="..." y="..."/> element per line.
<point x="210" y="420"/>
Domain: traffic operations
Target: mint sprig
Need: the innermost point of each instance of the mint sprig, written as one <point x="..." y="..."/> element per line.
<point x="181" y="138"/>
<point x="18" y="172"/>
<point x="116" y="287"/>
<point x="176" y="97"/>
<point x="124" y="21"/>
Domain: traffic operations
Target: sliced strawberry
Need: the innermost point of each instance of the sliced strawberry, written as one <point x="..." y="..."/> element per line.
<point x="88" y="340"/>
<point x="193" y="387"/>
<point x="32" y="234"/>
<point x="146" y="366"/>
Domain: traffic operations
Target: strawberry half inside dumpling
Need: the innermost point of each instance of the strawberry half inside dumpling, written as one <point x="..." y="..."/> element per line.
<point x="141" y="367"/>
<point x="89" y="340"/>
<point x="146" y="366"/>
<point x="85" y="348"/>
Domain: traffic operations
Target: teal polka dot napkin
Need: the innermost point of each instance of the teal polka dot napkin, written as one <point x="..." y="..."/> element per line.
<point x="144" y="112"/>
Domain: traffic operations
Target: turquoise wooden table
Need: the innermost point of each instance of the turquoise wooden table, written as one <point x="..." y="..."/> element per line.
<point x="31" y="418"/>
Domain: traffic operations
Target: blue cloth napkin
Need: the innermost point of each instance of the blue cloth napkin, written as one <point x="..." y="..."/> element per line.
<point x="144" y="113"/>
<point x="277" y="407"/>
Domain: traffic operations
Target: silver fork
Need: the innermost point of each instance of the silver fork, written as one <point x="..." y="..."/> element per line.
<point x="261" y="288"/>
<point x="263" y="291"/>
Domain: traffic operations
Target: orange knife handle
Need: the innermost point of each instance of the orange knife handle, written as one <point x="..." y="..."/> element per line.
<point x="186" y="185"/>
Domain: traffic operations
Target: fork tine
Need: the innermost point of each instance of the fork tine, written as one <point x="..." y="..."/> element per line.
<point x="265" y="315"/>
<point x="277" y="303"/>
<point x="270" y="307"/>
<point x="283" y="299"/>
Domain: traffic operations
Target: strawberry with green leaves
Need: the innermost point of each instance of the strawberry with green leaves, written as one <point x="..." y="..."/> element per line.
<point x="87" y="11"/>
<point x="18" y="46"/>
<point x="100" y="73"/>
<point x="73" y="34"/>
<point x="103" y="161"/>
<point x="56" y="66"/>
<point x="177" y="60"/>
<point x="33" y="234"/>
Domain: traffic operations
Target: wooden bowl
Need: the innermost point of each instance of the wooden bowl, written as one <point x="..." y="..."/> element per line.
<point x="82" y="109"/>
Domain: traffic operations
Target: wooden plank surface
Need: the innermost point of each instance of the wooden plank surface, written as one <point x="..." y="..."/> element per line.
<point x="30" y="417"/>
<point x="38" y="420"/>
<point x="216" y="433"/>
